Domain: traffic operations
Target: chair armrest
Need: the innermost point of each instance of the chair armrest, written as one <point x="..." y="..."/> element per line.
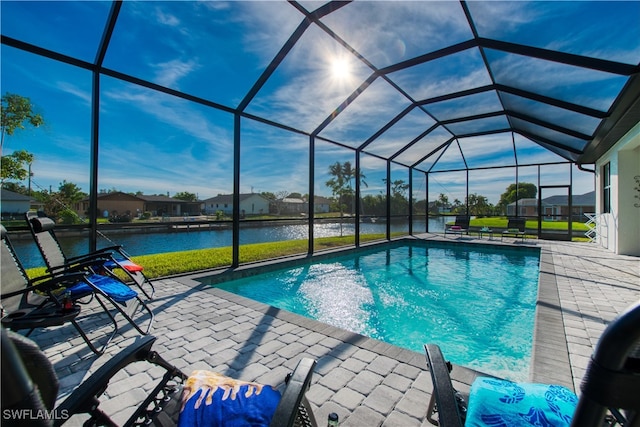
<point x="47" y="283"/>
<point x="78" y="265"/>
<point x="448" y="411"/>
<point x="84" y="398"/>
<point x="100" y="253"/>
<point x="116" y="248"/>
<point x="293" y="396"/>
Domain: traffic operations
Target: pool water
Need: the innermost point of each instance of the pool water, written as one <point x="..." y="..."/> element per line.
<point x="477" y="304"/>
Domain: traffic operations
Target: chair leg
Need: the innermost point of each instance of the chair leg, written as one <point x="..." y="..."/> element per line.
<point x="129" y="318"/>
<point x="431" y="410"/>
<point x="141" y="280"/>
<point x="110" y="337"/>
<point x="118" y="307"/>
<point x="151" y="315"/>
<point x="124" y="313"/>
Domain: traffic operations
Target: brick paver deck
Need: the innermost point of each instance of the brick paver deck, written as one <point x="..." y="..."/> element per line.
<point x="367" y="382"/>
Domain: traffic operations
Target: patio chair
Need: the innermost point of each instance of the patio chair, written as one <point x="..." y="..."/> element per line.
<point x="88" y="284"/>
<point x="42" y="230"/>
<point x="33" y="382"/>
<point x="37" y="303"/>
<point x="515" y="228"/>
<point x="460" y="226"/>
<point x="610" y="388"/>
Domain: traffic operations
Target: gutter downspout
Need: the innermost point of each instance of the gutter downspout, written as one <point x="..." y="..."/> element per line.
<point x="582" y="168"/>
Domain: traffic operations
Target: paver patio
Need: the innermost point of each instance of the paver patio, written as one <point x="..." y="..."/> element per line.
<point x="365" y="381"/>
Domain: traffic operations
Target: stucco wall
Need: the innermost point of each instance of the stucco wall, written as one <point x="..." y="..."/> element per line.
<point x="619" y="230"/>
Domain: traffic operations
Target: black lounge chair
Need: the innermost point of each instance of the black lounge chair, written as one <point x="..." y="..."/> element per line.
<point x="461" y="226"/>
<point x="37" y="303"/>
<point x="610" y="390"/>
<point x="515" y="228"/>
<point x="42" y="230"/>
<point x="34" y="387"/>
<point x="105" y="284"/>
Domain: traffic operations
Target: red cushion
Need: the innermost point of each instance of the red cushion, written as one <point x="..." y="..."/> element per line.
<point x="130" y="266"/>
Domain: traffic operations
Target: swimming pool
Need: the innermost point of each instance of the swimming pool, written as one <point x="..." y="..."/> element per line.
<point x="477" y="303"/>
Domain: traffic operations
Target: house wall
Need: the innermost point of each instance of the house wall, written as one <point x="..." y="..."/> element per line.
<point x="119" y="206"/>
<point x="14" y="207"/>
<point x="212" y="207"/>
<point x="619" y="230"/>
<point x="295" y="207"/>
<point x="321" y="207"/>
<point x="254" y="205"/>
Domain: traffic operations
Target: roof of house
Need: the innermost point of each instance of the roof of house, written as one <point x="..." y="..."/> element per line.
<point x="293" y="200"/>
<point x="15" y="197"/>
<point x="228" y="198"/>
<point x="119" y="195"/>
<point x="116" y="195"/>
<point x="587" y="199"/>
<point x="322" y="200"/>
<point x="160" y="198"/>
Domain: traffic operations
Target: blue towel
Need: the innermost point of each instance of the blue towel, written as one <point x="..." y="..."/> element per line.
<point x="117" y="290"/>
<point x="500" y="403"/>
<point x="212" y="399"/>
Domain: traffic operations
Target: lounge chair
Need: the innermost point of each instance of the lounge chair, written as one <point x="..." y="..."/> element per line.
<point x="32" y="378"/>
<point x="515" y="228"/>
<point x="42" y="230"/>
<point x="461" y="226"/>
<point x="38" y="303"/>
<point x="610" y="389"/>
<point x="107" y="287"/>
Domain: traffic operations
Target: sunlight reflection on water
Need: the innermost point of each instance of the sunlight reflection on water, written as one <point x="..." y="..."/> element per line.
<point x="478" y="306"/>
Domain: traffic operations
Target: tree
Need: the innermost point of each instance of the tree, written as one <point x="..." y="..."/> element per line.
<point x="399" y="201"/>
<point x="13" y="165"/>
<point x="279" y="200"/>
<point x="442" y="201"/>
<point x="15" y="112"/>
<point x="458" y="207"/>
<point x="15" y="187"/>
<point x="70" y="192"/>
<point x="479" y="205"/>
<point x="186" y="196"/>
<point x="341" y="184"/>
<point x="267" y="195"/>
<point x="523" y="190"/>
<point x="61" y="204"/>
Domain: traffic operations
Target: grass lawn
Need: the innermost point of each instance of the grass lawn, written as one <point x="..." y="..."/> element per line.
<point x="171" y="263"/>
<point x="494" y="222"/>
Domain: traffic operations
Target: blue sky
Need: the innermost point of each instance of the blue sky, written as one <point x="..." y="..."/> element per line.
<point x="156" y="143"/>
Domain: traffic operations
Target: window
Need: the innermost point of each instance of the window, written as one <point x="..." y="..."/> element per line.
<point x="606" y="188"/>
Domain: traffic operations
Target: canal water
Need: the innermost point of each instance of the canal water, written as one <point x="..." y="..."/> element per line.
<point x="136" y="244"/>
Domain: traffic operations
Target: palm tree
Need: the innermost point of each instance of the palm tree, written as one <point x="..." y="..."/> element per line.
<point x="341" y="183"/>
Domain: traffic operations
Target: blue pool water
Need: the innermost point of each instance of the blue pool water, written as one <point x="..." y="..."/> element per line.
<point x="477" y="304"/>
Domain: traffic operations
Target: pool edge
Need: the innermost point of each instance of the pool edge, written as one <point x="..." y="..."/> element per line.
<point x="549" y="353"/>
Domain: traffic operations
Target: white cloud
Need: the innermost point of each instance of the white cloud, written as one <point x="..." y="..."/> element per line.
<point x="74" y="90"/>
<point x="170" y="73"/>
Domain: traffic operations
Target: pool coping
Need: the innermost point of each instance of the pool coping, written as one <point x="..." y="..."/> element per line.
<point x="550" y="354"/>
